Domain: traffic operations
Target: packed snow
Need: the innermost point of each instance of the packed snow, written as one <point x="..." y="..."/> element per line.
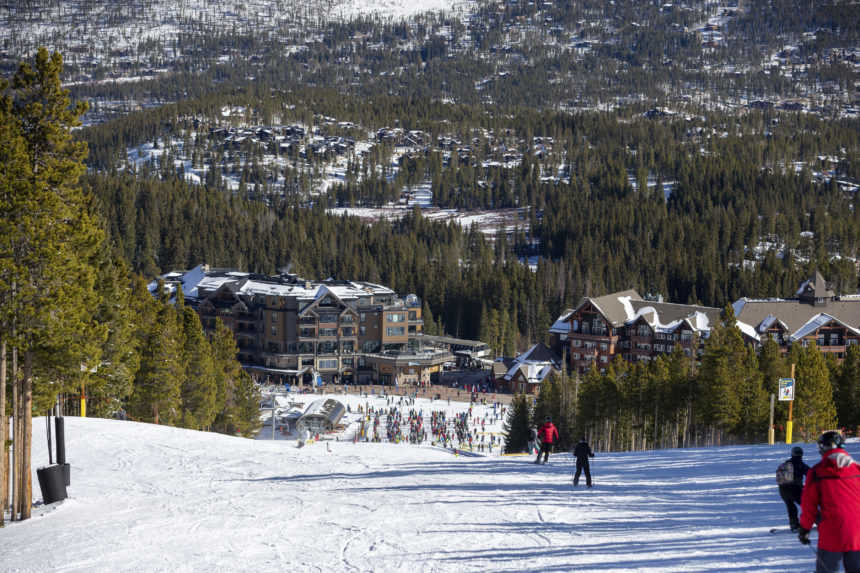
<point x="155" y="498"/>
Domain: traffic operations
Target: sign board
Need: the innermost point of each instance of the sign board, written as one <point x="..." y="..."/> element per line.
<point x="786" y="389"/>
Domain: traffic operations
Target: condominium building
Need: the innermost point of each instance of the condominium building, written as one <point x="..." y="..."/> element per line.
<point x="289" y="329"/>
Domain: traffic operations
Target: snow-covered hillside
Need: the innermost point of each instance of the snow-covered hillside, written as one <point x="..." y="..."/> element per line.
<point x="153" y="498"/>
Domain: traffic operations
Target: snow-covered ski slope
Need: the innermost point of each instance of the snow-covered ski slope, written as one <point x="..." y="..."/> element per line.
<point x="154" y="498"/>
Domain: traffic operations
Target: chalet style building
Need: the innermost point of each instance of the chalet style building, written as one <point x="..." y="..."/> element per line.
<point x="625" y="324"/>
<point x="296" y="331"/>
<point x="816" y="314"/>
<point x="526" y="372"/>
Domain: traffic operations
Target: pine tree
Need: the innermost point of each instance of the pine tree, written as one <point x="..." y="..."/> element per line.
<point x="112" y="381"/>
<point x="846" y="392"/>
<point x="814" y="410"/>
<point x="516" y="428"/>
<point x="199" y="387"/>
<point x="48" y="241"/>
<point x="157" y="385"/>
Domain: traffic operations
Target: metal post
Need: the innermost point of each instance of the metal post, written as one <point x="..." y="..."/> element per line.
<point x="770" y="433"/>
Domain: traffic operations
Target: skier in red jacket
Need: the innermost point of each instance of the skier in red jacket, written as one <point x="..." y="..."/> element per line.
<point x="548" y="435"/>
<point x="833" y="490"/>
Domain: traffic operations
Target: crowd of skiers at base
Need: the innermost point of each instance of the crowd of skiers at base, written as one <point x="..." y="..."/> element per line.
<point x="830" y="498"/>
<point x="547" y="436"/>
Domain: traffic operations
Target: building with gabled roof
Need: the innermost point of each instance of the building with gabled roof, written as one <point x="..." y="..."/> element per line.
<point x="530" y="368"/>
<point x="816" y="314"/>
<point x="624" y="323"/>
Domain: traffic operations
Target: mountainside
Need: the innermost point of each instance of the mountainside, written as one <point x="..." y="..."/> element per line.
<point x="146" y="497"/>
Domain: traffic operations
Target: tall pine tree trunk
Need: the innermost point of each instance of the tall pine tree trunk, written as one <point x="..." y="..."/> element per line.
<point x="27" y="404"/>
<point x="4" y="428"/>
<point x="16" y="429"/>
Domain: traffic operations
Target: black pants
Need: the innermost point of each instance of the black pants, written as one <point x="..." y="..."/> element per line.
<point x="790" y="494"/>
<point x="546" y="450"/>
<point x="828" y="561"/>
<point x="580" y="466"/>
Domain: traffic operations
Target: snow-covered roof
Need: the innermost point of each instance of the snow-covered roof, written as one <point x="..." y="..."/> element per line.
<point x="562" y="324"/>
<point x="748" y="330"/>
<point x="817" y="322"/>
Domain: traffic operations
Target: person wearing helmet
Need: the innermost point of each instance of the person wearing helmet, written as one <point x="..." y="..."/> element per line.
<point x="548" y="435"/>
<point x="833" y="490"/>
<point x="789" y="476"/>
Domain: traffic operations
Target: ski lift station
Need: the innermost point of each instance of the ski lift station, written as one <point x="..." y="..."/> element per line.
<point x="321" y="416"/>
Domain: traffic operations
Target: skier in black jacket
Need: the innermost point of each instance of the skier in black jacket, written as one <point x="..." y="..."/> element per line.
<point x="790" y="492"/>
<point x="582" y="451"/>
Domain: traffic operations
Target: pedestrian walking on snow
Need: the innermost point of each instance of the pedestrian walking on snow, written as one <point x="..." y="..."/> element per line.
<point x="789" y="477"/>
<point x="548" y="435"/>
<point x="582" y="451"/>
<point x="833" y="491"/>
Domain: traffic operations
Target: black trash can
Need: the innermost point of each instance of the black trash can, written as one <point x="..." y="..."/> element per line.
<point x="52" y="483"/>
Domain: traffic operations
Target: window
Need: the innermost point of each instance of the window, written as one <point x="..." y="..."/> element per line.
<point x="274" y="331"/>
<point x="604" y="359"/>
<point x="348" y="331"/>
<point x="604" y="346"/>
<point x="576" y="355"/>
<point x="307" y="332"/>
<point x="686" y="336"/>
<point x="577" y="343"/>
<point x="328" y="332"/>
<point x="348" y="362"/>
<point x="395" y="331"/>
<point x="328" y="347"/>
<point x="348" y="347"/>
<point x="274" y="317"/>
<point x="643" y="330"/>
<point x="851" y="341"/>
<point x="362" y="330"/>
<point x="575" y="325"/>
<point x="347" y="319"/>
<point x="328" y="317"/>
<point x="328" y="364"/>
<point x="396" y="317"/>
<point x="413" y="315"/>
<point x="362" y="316"/>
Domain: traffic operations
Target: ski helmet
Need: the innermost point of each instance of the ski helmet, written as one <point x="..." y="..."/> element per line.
<point x="830" y="440"/>
<point x="797" y="451"/>
<point x="548" y="419"/>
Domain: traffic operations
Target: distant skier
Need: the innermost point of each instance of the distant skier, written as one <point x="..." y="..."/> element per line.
<point x="833" y="492"/>
<point x="582" y="451"/>
<point x="548" y="435"/>
<point x="789" y="476"/>
<point x="533" y="439"/>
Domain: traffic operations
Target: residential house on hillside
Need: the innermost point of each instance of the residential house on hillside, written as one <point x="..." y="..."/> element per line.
<point x="816" y="314"/>
<point x="623" y="323"/>
<point x="292" y="330"/>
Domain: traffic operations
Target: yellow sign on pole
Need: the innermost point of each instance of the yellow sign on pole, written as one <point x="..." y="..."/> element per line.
<point x="83" y="401"/>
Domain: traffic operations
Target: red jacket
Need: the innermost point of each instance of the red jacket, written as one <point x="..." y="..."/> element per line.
<point x="548" y="433"/>
<point x="833" y="488"/>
